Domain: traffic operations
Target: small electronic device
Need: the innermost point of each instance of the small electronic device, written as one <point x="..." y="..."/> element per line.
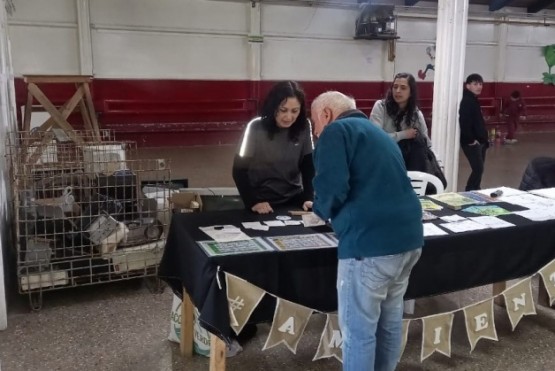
<point x="496" y="194"/>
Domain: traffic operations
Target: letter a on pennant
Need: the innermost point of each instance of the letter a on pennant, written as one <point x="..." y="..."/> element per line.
<point x="288" y="326"/>
<point x="289" y="323"/>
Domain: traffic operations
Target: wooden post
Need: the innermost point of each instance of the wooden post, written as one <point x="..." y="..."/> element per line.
<point x="217" y="353"/>
<point x="28" y="110"/>
<point x="186" y="325"/>
<point x="90" y="106"/>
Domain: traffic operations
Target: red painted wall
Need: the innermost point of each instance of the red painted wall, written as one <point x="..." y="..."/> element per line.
<point x="197" y="112"/>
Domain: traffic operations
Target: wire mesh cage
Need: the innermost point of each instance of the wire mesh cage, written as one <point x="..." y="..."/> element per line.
<point x="86" y="211"/>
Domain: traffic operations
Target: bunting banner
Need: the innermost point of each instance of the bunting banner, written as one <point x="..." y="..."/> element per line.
<point x="290" y="319"/>
<point x="243" y="298"/>
<point x="548" y="276"/>
<point x="436" y="335"/>
<point x="519" y="301"/>
<point x="480" y="323"/>
<point x="288" y="326"/>
<point x="331" y="340"/>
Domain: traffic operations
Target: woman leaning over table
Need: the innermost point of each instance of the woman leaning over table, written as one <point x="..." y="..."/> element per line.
<point x="398" y="115"/>
<point x="273" y="165"/>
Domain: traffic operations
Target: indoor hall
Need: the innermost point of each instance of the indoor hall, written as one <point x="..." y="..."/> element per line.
<point x="180" y="79"/>
<point x="125" y="325"/>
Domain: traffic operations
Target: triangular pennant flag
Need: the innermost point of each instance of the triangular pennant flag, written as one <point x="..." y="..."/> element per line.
<point x="480" y="322"/>
<point x="548" y="276"/>
<point x="290" y="320"/>
<point x="405" y="335"/>
<point x="436" y="335"/>
<point x="242" y="298"/>
<point x="331" y="340"/>
<point x="519" y="301"/>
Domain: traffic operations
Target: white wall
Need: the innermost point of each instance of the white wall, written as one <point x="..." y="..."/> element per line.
<point x="524" y="56"/>
<point x="204" y="39"/>
<point x="316" y="43"/>
<point x="182" y="39"/>
<point x="44" y="37"/>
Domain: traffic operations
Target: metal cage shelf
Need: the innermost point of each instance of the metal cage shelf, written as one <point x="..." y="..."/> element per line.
<point x="87" y="212"/>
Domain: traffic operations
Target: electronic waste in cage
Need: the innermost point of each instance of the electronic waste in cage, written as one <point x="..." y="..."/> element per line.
<point x="87" y="212"/>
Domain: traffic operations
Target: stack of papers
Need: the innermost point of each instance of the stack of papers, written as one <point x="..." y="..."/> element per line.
<point x="225" y="233"/>
<point x="454" y="200"/>
<point x="546" y="192"/>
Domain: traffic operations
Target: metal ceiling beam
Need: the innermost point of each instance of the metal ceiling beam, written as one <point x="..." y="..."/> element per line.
<point x="498" y="4"/>
<point x="539" y="5"/>
<point x="411" y="2"/>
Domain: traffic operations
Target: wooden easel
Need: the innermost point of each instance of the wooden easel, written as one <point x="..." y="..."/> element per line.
<point x="58" y="118"/>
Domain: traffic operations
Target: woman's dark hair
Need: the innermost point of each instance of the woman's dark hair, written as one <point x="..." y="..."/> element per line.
<point x="515" y="94"/>
<point x="393" y="109"/>
<point x="276" y="96"/>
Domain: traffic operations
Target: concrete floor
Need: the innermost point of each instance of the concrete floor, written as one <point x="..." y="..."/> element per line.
<point x="124" y="325"/>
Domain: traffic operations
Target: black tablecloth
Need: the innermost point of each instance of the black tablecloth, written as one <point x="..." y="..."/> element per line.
<point x="307" y="277"/>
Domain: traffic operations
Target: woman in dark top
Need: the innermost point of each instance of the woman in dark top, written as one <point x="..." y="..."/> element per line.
<point x="273" y="165"/>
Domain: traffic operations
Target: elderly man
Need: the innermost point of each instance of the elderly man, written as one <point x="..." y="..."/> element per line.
<point x="361" y="185"/>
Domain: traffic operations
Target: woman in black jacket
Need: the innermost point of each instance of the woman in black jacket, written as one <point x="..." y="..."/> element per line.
<point x="474" y="136"/>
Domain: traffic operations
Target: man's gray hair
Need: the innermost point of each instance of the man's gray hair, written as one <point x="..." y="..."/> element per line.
<point x="336" y="101"/>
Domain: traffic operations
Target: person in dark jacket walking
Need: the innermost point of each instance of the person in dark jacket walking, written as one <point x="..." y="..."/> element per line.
<point x="474" y="136"/>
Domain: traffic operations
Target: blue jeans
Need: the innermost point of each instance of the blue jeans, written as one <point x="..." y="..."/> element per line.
<point x="370" y="295"/>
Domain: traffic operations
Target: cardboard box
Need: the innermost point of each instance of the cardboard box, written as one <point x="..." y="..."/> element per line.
<point x="185" y="202"/>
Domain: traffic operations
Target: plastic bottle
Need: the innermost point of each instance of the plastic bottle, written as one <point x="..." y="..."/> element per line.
<point x="497" y="135"/>
<point x="492" y="136"/>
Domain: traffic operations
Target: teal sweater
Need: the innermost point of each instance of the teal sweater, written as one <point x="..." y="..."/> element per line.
<point x="361" y="184"/>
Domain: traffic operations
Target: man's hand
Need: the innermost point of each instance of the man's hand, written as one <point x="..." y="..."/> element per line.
<point x="307" y="205"/>
<point x="262" y="208"/>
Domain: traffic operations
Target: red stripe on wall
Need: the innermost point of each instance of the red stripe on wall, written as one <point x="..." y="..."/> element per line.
<point x="206" y="112"/>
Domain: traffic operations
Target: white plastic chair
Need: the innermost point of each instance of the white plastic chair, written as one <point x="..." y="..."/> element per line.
<point x="420" y="181"/>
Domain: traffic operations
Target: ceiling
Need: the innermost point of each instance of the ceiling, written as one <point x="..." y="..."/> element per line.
<point x="531" y="6"/>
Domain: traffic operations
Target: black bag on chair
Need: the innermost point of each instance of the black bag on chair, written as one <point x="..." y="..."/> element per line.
<point x="432" y="166"/>
<point x="414" y="153"/>
<point x="419" y="157"/>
